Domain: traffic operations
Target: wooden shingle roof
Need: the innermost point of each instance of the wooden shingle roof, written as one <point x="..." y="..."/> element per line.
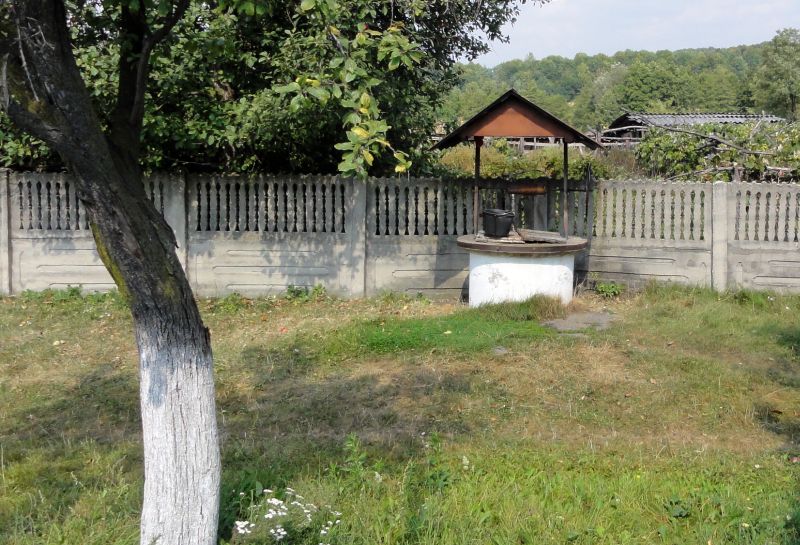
<point x="514" y="116"/>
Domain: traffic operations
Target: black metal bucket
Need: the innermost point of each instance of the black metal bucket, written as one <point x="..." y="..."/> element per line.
<point x="497" y="223"/>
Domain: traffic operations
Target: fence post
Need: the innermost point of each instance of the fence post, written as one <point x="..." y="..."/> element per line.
<point x="175" y="213"/>
<point x="719" y="236"/>
<point x="358" y="210"/>
<point x="5" y="235"/>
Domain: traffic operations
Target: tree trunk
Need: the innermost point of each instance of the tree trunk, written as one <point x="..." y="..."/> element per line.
<point x="43" y="93"/>
<point x="179" y="427"/>
<point x="180" y="437"/>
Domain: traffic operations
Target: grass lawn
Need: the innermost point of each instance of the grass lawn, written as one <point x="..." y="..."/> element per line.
<point x="413" y="422"/>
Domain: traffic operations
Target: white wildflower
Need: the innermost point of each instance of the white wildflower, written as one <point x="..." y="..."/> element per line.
<point x="244" y="526"/>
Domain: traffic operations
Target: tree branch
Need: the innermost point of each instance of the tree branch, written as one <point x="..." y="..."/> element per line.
<point x="143" y="67"/>
<point x="24" y="53"/>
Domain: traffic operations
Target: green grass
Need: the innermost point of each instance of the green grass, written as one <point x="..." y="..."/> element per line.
<point x="425" y="423"/>
<point x="464" y="331"/>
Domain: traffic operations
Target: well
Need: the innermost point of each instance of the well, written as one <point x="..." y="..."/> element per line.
<point x="507" y="272"/>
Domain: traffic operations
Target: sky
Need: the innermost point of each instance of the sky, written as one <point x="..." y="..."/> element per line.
<point x="567" y="27"/>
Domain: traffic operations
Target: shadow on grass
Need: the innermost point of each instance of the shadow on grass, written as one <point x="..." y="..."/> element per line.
<point x="103" y="406"/>
<point x="303" y="413"/>
<point x="291" y="421"/>
<point x="785" y="372"/>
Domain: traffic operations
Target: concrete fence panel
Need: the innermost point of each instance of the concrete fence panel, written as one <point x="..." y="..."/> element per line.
<point x="5" y="235"/>
<point x="51" y="244"/>
<point x="646" y="230"/>
<point x="259" y="235"/>
<point x="763" y="238"/>
<point x="411" y="228"/>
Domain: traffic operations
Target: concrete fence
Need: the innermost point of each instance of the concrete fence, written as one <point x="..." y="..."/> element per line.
<point x="260" y="235"/>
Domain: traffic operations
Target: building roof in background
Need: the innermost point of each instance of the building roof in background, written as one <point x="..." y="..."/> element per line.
<point x="686" y="119"/>
<point x="512" y="115"/>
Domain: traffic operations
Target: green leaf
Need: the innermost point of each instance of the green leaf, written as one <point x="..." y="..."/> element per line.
<point x="308" y="5"/>
<point x="360" y="132"/>
<point x="288" y="88"/>
<point x="296" y="103"/>
<point x="247" y="8"/>
<point x="352" y="119"/>
<point x="319" y="93"/>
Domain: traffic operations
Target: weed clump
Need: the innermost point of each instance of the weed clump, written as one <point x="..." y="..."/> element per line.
<point x="304" y="294"/>
<point x="608" y="290"/>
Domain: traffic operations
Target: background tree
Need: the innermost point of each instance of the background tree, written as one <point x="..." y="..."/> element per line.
<point x="591" y="91"/>
<point x="777" y="81"/>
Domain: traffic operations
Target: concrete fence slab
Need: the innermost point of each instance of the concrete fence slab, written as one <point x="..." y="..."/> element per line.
<point x="259" y="235"/>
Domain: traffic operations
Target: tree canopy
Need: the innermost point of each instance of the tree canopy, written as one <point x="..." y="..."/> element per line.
<point x="591" y="91"/>
<point x="777" y="82"/>
<point x="242" y="86"/>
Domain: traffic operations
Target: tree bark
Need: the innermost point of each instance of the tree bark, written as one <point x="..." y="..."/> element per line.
<point x="43" y="93"/>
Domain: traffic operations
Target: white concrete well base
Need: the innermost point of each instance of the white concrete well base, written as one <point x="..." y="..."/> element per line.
<point x="497" y="278"/>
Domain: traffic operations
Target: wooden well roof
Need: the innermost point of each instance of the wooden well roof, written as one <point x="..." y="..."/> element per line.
<point x="514" y="116"/>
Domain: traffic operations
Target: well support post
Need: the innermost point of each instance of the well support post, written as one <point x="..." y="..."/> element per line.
<point x="476" y="190"/>
<point x="564" y="211"/>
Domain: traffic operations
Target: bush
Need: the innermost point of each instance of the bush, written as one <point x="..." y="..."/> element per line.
<point x="674" y="154"/>
<point x="498" y="160"/>
<point x="302" y="294"/>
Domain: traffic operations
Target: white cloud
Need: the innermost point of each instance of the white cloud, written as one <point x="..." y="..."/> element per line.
<point x="567" y="27"/>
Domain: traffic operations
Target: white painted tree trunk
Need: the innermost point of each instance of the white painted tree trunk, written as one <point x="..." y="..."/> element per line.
<point x="181" y="453"/>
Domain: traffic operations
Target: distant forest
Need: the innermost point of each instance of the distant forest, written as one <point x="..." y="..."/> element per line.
<point x="591" y="91"/>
